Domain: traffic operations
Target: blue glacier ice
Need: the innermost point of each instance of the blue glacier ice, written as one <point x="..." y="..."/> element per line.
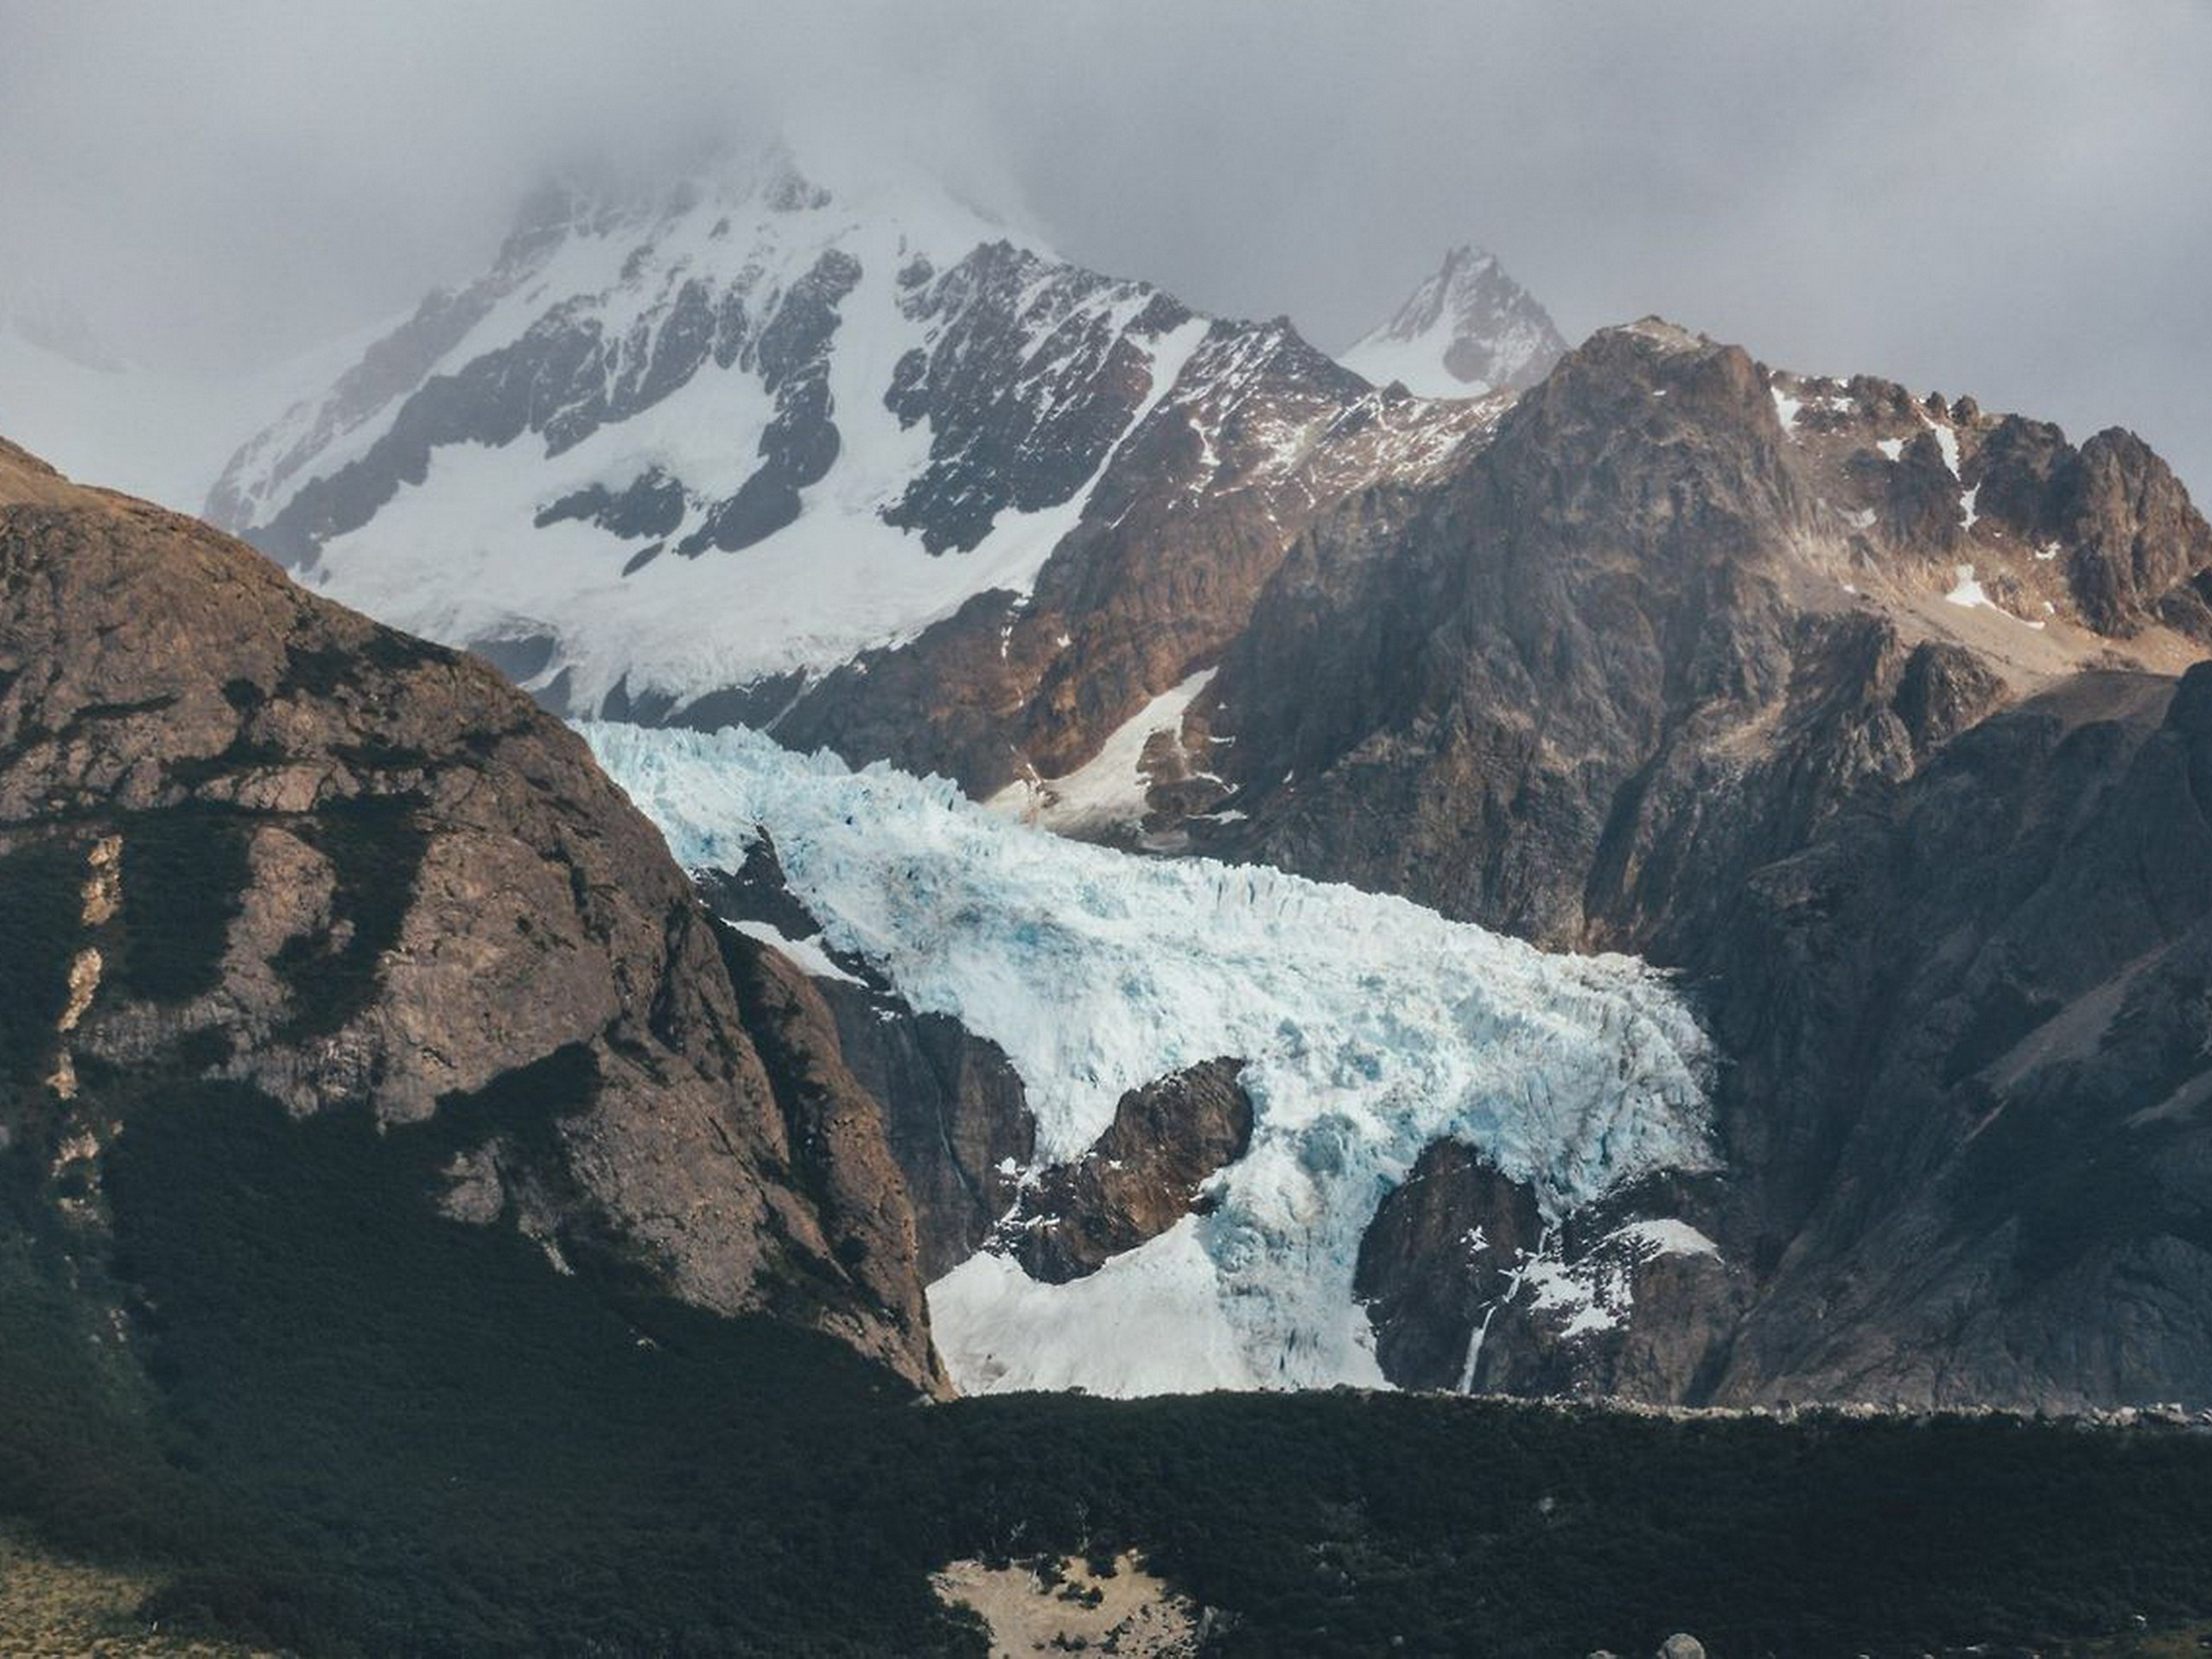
<point x="1369" y="1026"/>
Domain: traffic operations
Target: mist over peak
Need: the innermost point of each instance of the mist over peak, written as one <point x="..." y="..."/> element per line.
<point x="2000" y="198"/>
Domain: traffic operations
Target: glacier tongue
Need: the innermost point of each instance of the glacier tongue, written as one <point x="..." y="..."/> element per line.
<point x="1370" y="1028"/>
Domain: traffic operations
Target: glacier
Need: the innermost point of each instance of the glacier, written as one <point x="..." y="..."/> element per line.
<point x="1370" y="1026"/>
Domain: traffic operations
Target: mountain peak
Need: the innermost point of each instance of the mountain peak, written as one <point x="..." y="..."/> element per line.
<point x="1670" y="336"/>
<point x="1466" y="331"/>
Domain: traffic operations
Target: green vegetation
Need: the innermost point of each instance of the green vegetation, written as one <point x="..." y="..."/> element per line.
<point x="375" y="847"/>
<point x="78" y="1448"/>
<point x="50" y="1606"/>
<point x="420" y="1437"/>
<point x="184" y="872"/>
<point x="2191" y="1641"/>
<point x="354" y="1427"/>
<point x="39" y="906"/>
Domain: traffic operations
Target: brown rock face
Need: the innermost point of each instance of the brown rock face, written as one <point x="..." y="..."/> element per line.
<point x="839" y="1160"/>
<point x="1489" y="670"/>
<point x="346" y="867"/>
<point x="1143" y="1175"/>
<point x="1190" y="519"/>
<point x="1468" y="1288"/>
<point x="1626" y="1299"/>
<point x="2142" y="554"/>
<point x="1650" y="627"/>
<point x="955" y="1116"/>
<point x="1443" y="1252"/>
<point x="1684" y="662"/>
<point x="1974" y="1050"/>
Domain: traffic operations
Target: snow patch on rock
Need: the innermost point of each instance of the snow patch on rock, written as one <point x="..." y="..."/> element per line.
<point x="1597" y="1291"/>
<point x="1968" y="592"/>
<point x="1107" y="792"/>
<point x="806" y="954"/>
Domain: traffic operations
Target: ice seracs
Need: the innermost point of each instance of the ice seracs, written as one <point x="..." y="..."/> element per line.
<point x="1369" y="1026"/>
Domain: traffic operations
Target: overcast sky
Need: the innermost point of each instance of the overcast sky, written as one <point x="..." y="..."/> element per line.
<point x="2013" y="199"/>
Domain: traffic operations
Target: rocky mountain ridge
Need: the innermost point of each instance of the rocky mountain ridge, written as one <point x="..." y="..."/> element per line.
<point x="1861" y="500"/>
<point x="862" y="462"/>
<point x="1669" y="546"/>
<point x="1867" y="712"/>
<point x="257" y="845"/>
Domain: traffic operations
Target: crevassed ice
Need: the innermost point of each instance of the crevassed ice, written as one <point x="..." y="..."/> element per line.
<point x="1370" y="1026"/>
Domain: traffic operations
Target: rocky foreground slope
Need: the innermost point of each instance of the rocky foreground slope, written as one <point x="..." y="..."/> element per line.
<point x="249" y="838"/>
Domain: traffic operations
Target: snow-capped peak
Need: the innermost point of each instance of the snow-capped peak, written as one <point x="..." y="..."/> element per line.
<point x="826" y="185"/>
<point x="742" y="359"/>
<point x="719" y="432"/>
<point x="1467" y="331"/>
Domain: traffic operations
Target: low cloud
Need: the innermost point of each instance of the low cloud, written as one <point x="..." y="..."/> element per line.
<point x="2000" y="198"/>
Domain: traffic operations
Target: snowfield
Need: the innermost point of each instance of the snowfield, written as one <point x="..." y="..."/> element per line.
<point x="458" y="555"/>
<point x="1369" y="1026"/>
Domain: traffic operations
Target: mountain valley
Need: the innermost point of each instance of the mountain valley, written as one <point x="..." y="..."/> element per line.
<point x="1795" y="687"/>
<point x="794" y="903"/>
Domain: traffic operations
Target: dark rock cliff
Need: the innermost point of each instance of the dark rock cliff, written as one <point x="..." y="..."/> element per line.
<point x="1670" y="666"/>
<point x="1144" y="1175"/>
<point x="252" y="838"/>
